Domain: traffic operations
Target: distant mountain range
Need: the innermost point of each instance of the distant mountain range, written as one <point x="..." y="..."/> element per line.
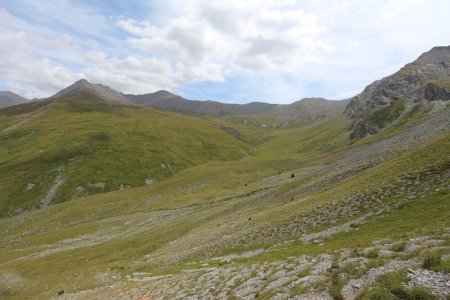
<point x="305" y="109"/>
<point x="421" y="82"/>
<point x="168" y="101"/>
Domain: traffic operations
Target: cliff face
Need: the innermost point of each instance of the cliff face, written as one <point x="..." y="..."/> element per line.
<point x="426" y="80"/>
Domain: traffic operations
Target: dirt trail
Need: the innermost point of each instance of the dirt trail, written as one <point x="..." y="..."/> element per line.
<point x="26" y="117"/>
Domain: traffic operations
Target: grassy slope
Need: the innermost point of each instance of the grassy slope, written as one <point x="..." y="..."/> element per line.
<point x="426" y="216"/>
<point x="208" y="207"/>
<point x="304" y="142"/>
<point x="96" y="142"/>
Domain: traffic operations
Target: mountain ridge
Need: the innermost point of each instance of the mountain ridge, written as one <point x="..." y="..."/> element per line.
<point x="169" y="101"/>
<point x="165" y="100"/>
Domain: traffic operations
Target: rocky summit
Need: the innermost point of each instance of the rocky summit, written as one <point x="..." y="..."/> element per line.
<point x="424" y="82"/>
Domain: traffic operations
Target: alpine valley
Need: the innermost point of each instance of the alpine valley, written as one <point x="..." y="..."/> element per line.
<point x="105" y="195"/>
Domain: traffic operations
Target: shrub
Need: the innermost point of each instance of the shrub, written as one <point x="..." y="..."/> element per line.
<point x="393" y="279"/>
<point x="378" y="293"/>
<point x="372" y="253"/>
<point x="398" y="247"/>
<point x="374" y="263"/>
<point x="336" y="286"/>
<point x="419" y="293"/>
<point x="392" y="286"/>
<point x="445" y="266"/>
<point x="431" y="261"/>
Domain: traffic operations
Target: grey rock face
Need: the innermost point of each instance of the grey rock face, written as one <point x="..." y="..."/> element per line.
<point x="435" y="92"/>
<point x="425" y="81"/>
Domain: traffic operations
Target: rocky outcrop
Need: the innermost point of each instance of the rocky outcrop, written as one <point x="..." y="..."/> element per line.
<point x="425" y="81"/>
<point x="435" y="92"/>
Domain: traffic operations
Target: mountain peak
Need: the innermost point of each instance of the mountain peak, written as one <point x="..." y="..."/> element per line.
<point x="8" y="98"/>
<point x="425" y="81"/>
<point x="164" y="93"/>
<point x="82" y="81"/>
<point x="100" y="90"/>
<point x="437" y="50"/>
<point x="435" y="55"/>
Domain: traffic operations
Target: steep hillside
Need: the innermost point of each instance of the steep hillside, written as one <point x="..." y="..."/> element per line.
<point x="10" y="99"/>
<point x="70" y="146"/>
<point x="423" y="84"/>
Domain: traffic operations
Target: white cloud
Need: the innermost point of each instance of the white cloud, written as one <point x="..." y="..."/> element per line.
<point x="209" y="41"/>
<point x="36" y="78"/>
<point x="325" y="48"/>
<point x="130" y="74"/>
<point x="239" y="35"/>
<point x="23" y="71"/>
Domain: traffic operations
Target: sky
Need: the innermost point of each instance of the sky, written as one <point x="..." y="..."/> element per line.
<point x="233" y="51"/>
